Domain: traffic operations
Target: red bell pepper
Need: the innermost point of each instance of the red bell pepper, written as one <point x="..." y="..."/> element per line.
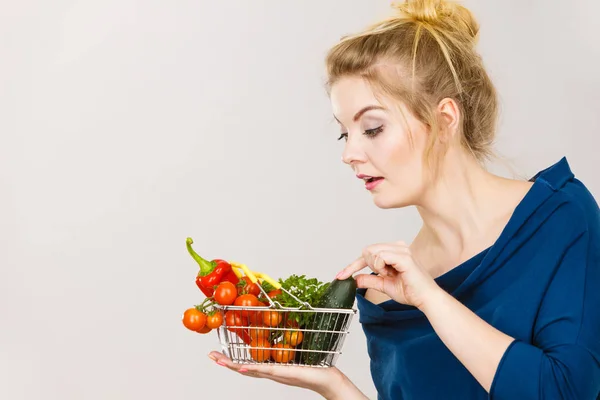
<point x="211" y="272"/>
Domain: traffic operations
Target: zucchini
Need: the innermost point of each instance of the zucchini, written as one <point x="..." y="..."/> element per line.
<point x="339" y="294"/>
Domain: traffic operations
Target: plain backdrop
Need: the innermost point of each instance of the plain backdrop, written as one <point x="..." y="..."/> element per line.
<point x="127" y="126"/>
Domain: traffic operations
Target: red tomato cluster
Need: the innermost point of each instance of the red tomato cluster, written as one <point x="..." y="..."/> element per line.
<point x="200" y="321"/>
<point x="204" y="318"/>
<point x="253" y="327"/>
<point x="256" y="328"/>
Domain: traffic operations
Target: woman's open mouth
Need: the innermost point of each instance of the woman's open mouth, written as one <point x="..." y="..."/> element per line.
<point x="370" y="181"/>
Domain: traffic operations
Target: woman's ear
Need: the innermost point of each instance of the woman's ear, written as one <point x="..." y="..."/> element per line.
<point x="450" y="118"/>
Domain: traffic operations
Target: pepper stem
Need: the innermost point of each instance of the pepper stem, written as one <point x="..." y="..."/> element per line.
<point x="206" y="267"/>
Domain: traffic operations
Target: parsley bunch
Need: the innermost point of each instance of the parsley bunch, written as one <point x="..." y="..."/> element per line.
<point x="306" y="289"/>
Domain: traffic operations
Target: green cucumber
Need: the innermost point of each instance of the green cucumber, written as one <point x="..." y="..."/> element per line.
<point x="339" y="294"/>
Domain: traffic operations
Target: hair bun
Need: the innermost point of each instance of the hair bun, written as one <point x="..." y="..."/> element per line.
<point x="439" y="13"/>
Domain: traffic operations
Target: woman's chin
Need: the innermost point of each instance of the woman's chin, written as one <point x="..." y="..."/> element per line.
<point x="389" y="202"/>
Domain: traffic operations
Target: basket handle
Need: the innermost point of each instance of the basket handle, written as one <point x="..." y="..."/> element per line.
<point x="254" y="276"/>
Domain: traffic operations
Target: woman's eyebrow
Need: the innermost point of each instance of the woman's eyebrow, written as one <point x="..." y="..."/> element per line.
<point x="362" y="111"/>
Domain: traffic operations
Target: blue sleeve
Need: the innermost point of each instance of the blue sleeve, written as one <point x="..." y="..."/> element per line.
<point x="564" y="360"/>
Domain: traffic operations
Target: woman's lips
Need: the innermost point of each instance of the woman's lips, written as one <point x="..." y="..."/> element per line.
<point x="370" y="184"/>
<point x="370" y="181"/>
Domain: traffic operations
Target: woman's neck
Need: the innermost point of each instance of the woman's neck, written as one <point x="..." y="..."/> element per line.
<point x="463" y="212"/>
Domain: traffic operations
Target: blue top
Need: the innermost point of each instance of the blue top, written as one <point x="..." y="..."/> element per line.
<point x="539" y="283"/>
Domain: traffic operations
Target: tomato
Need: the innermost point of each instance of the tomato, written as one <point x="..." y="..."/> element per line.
<point x="247" y="300"/>
<point x="245" y="286"/>
<point x="254" y="317"/>
<point x="272" y="318"/>
<point x="293" y="338"/>
<point x="193" y="319"/>
<point x="259" y="331"/>
<point x="206" y="329"/>
<point x="234" y="320"/>
<point x="272" y="294"/>
<point x="282" y="353"/>
<point x="288" y="320"/>
<point x="291" y="323"/>
<point x="225" y="293"/>
<point x="215" y="320"/>
<point x="260" y="355"/>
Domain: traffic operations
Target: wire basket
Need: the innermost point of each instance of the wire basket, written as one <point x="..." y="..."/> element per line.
<point x="273" y="335"/>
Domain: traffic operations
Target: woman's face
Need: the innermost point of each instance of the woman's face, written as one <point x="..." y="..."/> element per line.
<point x="378" y="144"/>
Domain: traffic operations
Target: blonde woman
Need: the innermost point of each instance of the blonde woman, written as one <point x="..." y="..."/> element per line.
<point x="498" y="295"/>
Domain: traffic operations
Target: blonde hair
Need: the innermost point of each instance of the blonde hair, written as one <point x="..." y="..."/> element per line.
<point x="431" y="44"/>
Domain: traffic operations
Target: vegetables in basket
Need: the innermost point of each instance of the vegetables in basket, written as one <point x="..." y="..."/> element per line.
<point x="260" y="319"/>
<point x="338" y="294"/>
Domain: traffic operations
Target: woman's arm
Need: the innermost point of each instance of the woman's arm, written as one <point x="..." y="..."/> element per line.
<point x="477" y="345"/>
<point x="330" y="382"/>
<point x="563" y="359"/>
<point x="344" y="389"/>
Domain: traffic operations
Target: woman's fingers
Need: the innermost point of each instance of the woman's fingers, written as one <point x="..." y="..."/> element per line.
<point x="252" y="370"/>
<point x="368" y="281"/>
<point x="373" y="252"/>
<point x="368" y="259"/>
<point x="306" y="377"/>
<point x="255" y="370"/>
<point x="382" y="268"/>
<point x="394" y="262"/>
<point x="354" y="266"/>
<point x="224" y="361"/>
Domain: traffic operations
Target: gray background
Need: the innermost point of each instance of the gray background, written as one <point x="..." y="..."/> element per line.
<point x="127" y="126"/>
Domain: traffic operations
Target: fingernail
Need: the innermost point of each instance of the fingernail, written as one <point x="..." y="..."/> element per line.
<point x="339" y="275"/>
<point x="212" y="357"/>
<point x="243" y="370"/>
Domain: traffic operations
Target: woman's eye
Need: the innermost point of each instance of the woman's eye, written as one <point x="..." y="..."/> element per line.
<point x="368" y="132"/>
<point x="374" y="131"/>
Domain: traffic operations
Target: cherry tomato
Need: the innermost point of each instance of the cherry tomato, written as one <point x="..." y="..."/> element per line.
<point x="274" y="293"/>
<point x="282" y="353"/>
<point x="272" y="318"/>
<point x="254" y="317"/>
<point x="206" y="329"/>
<point x="247" y="300"/>
<point x="245" y="286"/>
<point x="225" y="293"/>
<point x="234" y="322"/>
<point x="193" y="319"/>
<point x="260" y="355"/>
<point x="234" y="318"/>
<point x="291" y="323"/>
<point x="259" y="331"/>
<point x="293" y="338"/>
<point x="215" y="320"/>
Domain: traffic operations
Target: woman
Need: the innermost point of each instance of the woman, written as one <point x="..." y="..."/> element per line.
<point x="497" y="296"/>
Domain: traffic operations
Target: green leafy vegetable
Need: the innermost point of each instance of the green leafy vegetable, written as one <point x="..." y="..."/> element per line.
<point x="306" y="289"/>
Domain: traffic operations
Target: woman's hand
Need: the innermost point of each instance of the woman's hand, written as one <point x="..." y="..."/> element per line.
<point x="399" y="276"/>
<point x="328" y="382"/>
<point x="475" y="343"/>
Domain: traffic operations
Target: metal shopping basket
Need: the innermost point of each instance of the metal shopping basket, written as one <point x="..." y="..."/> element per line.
<point x="273" y="335"/>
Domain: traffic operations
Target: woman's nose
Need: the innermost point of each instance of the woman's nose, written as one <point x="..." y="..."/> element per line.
<point x="352" y="153"/>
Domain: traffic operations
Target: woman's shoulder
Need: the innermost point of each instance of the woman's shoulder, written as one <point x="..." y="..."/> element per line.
<point x="572" y="203"/>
